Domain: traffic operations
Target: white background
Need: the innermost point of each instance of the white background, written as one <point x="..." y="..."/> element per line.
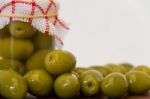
<point x="108" y="31"/>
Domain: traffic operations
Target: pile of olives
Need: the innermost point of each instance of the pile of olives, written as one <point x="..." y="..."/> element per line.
<point x="29" y="64"/>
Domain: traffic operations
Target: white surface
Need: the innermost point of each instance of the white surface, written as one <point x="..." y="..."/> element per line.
<point x="104" y="31"/>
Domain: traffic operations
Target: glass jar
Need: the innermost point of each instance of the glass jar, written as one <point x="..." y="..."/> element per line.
<point x="23" y="48"/>
<point x="29" y="29"/>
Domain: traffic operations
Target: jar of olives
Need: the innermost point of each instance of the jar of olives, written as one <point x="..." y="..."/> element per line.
<point x="29" y="29"/>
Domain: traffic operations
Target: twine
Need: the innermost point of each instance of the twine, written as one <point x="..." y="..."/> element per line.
<point x="28" y="16"/>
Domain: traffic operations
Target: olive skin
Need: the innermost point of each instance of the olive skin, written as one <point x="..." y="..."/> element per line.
<point x="58" y="62"/>
<point x="114" y="85"/>
<point x="139" y="82"/>
<point x="15" y="48"/>
<point x="12" y="85"/>
<point x="39" y="82"/>
<point x="21" y="30"/>
<point x="67" y="86"/>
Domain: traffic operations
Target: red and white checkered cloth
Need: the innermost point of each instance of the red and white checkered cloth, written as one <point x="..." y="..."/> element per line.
<point x="52" y="25"/>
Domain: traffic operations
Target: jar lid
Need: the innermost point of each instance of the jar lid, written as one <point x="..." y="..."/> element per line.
<point x="42" y="14"/>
